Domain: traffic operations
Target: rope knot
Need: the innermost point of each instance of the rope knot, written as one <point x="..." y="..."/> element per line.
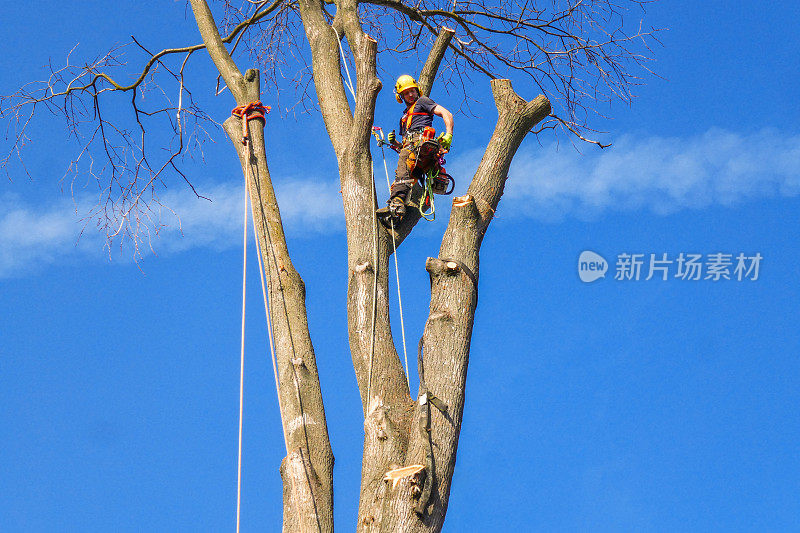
<point x="247" y="112"/>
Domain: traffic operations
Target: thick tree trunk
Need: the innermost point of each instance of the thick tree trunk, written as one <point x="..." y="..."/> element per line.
<point x="397" y="431"/>
<point x="420" y="505"/>
<point x="379" y="372"/>
<point x="307" y="470"/>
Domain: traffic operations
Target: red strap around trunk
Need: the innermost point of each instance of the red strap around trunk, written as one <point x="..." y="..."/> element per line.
<point x="251" y="111"/>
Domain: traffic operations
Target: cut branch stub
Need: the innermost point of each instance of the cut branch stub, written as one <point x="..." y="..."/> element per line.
<point x="398" y="474"/>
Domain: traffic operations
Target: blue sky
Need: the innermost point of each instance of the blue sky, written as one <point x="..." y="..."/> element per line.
<point x="609" y="406"/>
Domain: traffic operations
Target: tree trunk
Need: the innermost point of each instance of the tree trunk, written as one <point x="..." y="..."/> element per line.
<point x="419" y="502"/>
<point x="397" y="430"/>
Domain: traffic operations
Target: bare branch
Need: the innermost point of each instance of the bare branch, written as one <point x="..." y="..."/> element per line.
<point x="216" y="49"/>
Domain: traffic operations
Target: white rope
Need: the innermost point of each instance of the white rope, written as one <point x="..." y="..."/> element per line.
<point x="241" y="369"/>
<point x="269" y="332"/>
<point x="349" y="83"/>
<point x="268" y="245"/>
<point x="270" y="335"/>
<point x="397" y="274"/>
<point x="374" y="283"/>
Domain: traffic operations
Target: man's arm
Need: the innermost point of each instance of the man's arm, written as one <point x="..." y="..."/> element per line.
<point x="446" y="115"/>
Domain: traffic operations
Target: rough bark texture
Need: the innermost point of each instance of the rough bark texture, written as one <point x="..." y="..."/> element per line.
<point x="385" y="398"/>
<point x="398" y="431"/>
<point x="411" y="442"/>
<point x="428" y="74"/>
<point x="308" y="498"/>
<point x="307" y="470"/>
<point x="446" y="338"/>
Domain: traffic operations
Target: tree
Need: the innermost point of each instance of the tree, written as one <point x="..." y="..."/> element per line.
<point x="577" y="54"/>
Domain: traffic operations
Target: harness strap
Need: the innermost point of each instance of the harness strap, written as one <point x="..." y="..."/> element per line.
<point x="252" y="111"/>
<point x="409" y="115"/>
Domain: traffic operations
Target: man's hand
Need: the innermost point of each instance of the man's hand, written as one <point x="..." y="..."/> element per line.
<point x="392" y="138"/>
<point x="445" y="140"/>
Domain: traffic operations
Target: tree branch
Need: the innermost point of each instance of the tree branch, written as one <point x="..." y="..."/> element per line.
<point x="324" y="42"/>
<point x="445" y="344"/>
<point x="216" y="49"/>
<point x="428" y="74"/>
<point x="302" y="410"/>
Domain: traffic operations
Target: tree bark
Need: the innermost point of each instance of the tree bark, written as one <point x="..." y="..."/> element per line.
<point x="397" y="431"/>
<point x="428" y="73"/>
<point x="445" y="343"/>
<point x="307" y="470"/>
<point x="308" y="498"/>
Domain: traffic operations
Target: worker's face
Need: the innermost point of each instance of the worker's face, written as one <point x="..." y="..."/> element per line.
<point x="410" y="95"/>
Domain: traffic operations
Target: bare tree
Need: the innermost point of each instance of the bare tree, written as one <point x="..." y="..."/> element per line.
<point x="577" y="53"/>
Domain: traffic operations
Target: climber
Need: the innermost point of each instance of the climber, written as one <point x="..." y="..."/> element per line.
<point x="417" y="117"/>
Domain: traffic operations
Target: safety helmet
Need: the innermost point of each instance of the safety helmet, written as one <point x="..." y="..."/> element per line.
<point x="404" y="82"/>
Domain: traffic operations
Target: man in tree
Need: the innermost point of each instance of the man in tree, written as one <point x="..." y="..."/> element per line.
<point x="577" y="53"/>
<point x="417" y="116"/>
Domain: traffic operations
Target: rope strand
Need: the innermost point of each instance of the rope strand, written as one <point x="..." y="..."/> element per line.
<point x="349" y="83"/>
<point x="397" y="275"/>
<point x="241" y="369"/>
<point x="255" y="110"/>
<point x="375" y="259"/>
<point x="270" y="334"/>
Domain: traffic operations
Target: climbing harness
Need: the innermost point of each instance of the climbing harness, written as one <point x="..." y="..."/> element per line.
<point x="437" y="181"/>
<point x="409" y="115"/>
<point x="427" y="158"/>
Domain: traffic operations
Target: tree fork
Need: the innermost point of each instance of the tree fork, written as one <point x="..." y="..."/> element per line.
<point x="383" y="450"/>
<point x="445" y="344"/>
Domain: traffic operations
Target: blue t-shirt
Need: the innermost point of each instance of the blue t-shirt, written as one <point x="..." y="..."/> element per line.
<point x="424" y="106"/>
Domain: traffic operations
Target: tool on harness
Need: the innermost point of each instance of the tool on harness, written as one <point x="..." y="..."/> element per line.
<point x="390" y="141"/>
<point x="425" y="162"/>
<point x="247" y="112"/>
<point x="428" y="160"/>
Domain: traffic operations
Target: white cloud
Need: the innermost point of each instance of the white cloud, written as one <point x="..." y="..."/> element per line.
<point x="306" y="207"/>
<point x="36" y="235"/>
<point x="658" y="174"/>
<point x="29" y="238"/>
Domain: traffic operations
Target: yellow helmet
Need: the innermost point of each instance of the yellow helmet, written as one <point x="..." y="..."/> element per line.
<point x="404" y="82"/>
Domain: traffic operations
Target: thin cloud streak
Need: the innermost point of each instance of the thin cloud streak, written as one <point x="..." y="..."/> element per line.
<point x="33" y="236"/>
<point x="657" y="174"/>
<point x="29" y="238"/>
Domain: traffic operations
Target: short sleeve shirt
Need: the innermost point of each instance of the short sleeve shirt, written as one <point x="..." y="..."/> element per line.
<point x="422" y="105"/>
